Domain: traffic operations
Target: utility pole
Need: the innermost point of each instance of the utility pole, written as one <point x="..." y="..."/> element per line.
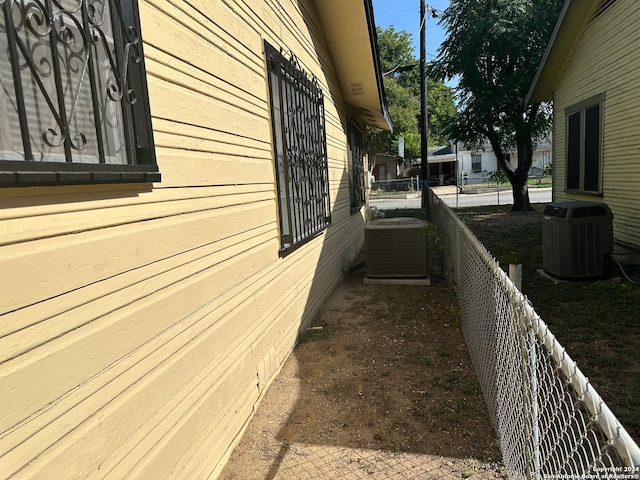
<point x="424" y="168"/>
<point x="424" y="124"/>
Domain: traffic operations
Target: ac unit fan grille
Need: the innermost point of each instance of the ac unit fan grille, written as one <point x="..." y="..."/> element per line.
<point x="396" y="249"/>
<point x="586" y="249"/>
<point x="576" y="237"/>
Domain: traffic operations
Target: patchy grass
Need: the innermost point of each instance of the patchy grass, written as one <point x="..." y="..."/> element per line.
<point x="314" y="334"/>
<point x="541" y="182"/>
<point x="596" y="321"/>
<point x="533" y="182"/>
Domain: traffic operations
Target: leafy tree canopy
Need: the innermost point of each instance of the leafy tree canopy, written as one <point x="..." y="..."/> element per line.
<point x="396" y="50"/>
<point x="493" y="48"/>
<point x="402" y="88"/>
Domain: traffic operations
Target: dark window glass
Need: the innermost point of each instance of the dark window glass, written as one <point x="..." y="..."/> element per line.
<point x="592" y="149"/>
<point x="476" y="163"/>
<point x="300" y="150"/>
<point x="584" y="145"/>
<point x="573" y="151"/>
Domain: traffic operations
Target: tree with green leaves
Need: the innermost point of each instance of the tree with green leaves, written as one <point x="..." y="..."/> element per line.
<point x="494" y="48"/>
<point x="402" y="88"/>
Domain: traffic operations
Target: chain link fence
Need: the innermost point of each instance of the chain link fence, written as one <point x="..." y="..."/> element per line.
<point x="410" y="184"/>
<point x="550" y="421"/>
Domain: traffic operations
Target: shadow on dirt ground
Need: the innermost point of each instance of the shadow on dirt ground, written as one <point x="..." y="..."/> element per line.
<point x="380" y="387"/>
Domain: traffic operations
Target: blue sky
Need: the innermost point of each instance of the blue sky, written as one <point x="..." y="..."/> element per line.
<point x="405" y="15"/>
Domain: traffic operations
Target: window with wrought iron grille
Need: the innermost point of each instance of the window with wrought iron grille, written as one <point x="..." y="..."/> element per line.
<point x="74" y="106"/>
<point x="300" y="150"/>
<point x="356" y="165"/>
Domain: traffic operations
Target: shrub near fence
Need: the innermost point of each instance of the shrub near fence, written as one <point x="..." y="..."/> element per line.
<point x="550" y="421"/>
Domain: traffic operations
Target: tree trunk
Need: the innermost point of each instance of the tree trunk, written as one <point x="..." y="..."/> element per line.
<point x="520" y="191"/>
<point x="520" y="176"/>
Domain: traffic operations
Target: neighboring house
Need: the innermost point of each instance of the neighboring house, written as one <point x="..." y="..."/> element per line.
<point x="386" y="167"/>
<point x="590" y="72"/>
<point x="171" y="219"/>
<point x="475" y="166"/>
<point x="542" y="155"/>
<point x="441" y="163"/>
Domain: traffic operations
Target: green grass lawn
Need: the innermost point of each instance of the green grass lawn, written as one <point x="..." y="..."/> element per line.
<point x="542" y="182"/>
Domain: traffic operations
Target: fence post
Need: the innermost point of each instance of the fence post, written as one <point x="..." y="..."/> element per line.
<point x="515" y="274"/>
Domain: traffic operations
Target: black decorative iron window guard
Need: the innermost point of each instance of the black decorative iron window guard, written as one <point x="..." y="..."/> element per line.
<point x="356" y="165"/>
<point x="300" y="147"/>
<point x="74" y="92"/>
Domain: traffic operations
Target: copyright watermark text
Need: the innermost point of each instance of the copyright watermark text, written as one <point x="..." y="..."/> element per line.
<point x="613" y="473"/>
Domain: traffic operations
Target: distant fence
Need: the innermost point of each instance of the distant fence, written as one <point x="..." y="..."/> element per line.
<point x="550" y="421"/>
<point x="398" y="185"/>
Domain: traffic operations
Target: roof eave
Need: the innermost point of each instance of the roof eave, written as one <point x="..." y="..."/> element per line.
<point x="350" y="34"/>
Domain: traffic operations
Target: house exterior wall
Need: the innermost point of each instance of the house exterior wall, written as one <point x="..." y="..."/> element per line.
<point x="541" y="157"/>
<point x="605" y="61"/>
<point x="140" y="326"/>
<point x="489" y="163"/>
<point x="464" y="166"/>
<point x="389" y="167"/>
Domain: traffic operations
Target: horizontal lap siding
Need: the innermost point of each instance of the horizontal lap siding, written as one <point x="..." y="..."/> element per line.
<point x="606" y="60"/>
<point x="139" y="326"/>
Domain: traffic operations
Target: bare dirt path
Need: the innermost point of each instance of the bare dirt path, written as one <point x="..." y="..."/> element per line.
<point x="384" y="390"/>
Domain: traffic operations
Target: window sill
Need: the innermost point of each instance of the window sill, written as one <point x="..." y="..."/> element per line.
<point x="285" y="251"/>
<point x="583" y="192"/>
<point x="74" y="174"/>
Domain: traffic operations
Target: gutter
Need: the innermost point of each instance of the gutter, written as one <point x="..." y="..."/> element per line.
<point x="373" y="35"/>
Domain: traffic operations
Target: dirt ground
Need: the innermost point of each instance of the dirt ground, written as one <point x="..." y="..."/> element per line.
<point x="381" y="387"/>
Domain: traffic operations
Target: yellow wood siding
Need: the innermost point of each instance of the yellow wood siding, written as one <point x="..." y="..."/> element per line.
<point x="607" y="60"/>
<point x="139" y="326"/>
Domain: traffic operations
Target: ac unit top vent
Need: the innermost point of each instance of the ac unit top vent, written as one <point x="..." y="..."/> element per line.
<point x="577" y="209"/>
<point x="397" y="223"/>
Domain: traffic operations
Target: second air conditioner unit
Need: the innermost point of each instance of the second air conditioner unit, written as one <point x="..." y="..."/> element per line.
<point x="576" y="236"/>
<point x="396" y="248"/>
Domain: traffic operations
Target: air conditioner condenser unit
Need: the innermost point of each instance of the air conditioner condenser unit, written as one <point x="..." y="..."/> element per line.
<point x="576" y="236"/>
<point x="396" y="248"/>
